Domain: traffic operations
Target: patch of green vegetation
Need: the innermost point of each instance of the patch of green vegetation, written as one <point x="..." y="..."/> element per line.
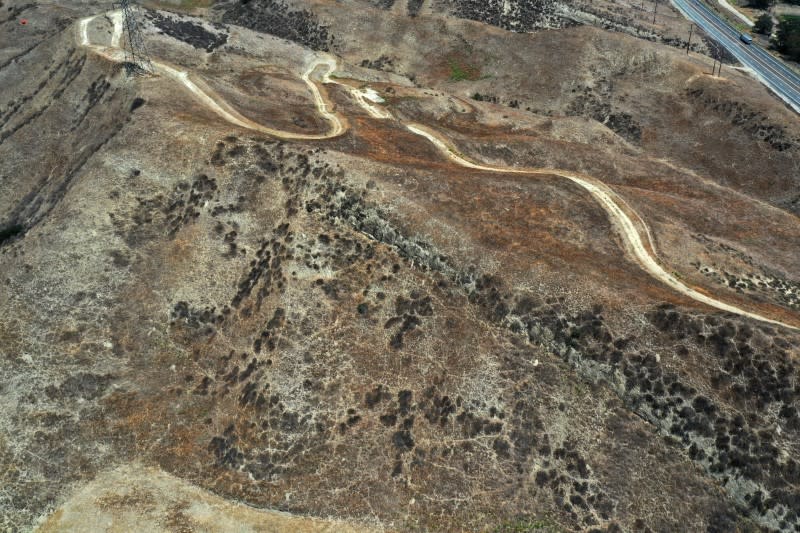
<point x="457" y="72"/>
<point x="763" y="24"/>
<point x="460" y="71"/>
<point x="787" y="38"/>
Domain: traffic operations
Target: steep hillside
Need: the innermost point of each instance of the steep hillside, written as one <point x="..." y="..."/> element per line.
<point x="653" y="97"/>
<point x="394" y="286"/>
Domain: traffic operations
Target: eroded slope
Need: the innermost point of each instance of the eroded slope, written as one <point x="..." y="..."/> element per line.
<point x="357" y="327"/>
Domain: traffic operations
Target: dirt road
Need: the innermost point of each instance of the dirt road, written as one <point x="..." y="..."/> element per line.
<point x="610" y="202"/>
<point x="613" y="205"/>
<point x="213" y="101"/>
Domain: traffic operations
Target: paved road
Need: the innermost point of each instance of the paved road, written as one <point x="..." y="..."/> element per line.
<point x="771" y="71"/>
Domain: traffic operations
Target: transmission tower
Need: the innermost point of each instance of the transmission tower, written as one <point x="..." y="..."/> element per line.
<point x="137" y="60"/>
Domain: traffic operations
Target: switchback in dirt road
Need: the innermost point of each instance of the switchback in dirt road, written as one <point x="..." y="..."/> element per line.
<point x="641" y="249"/>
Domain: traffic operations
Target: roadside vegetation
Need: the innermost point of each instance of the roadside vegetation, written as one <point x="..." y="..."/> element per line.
<point x="764" y="24"/>
<point x="786" y="27"/>
<point x="787" y="38"/>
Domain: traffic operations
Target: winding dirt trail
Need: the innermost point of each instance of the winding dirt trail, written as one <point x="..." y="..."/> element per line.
<point x="213" y="101"/>
<point x="610" y="202"/>
<point x="614" y="206"/>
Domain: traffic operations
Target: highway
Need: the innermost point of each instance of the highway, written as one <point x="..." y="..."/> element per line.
<point x="769" y="70"/>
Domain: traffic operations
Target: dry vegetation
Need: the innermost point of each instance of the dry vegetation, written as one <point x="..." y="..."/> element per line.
<point x="358" y="328"/>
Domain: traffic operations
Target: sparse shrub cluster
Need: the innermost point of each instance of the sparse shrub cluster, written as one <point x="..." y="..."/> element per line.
<point x="781" y="290"/>
<point x="9" y="232"/>
<point x="266" y="420"/>
<point x="521" y="16"/>
<point x="596" y="105"/>
<point x="787" y="36"/>
<point x="187" y="31"/>
<point x="413" y="7"/>
<point x="753" y="122"/>
<point x="478" y="97"/>
<point x="384" y="4"/>
<point x="384" y="63"/>
<point x="727" y="446"/>
<point x="637" y="62"/>
<point x="83" y="386"/>
<point x="276" y="18"/>
<point x="759" y="378"/>
<point x="408" y="316"/>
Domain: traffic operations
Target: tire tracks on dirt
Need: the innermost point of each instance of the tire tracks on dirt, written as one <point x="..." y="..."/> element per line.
<point x="612" y="204"/>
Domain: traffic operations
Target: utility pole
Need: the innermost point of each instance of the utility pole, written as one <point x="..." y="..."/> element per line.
<point x="689" y="43"/>
<point x="716" y="70"/>
<point x="137" y="60"/>
<point x="655" y="8"/>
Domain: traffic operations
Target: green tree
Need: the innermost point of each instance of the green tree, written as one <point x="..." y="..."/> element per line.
<point x="761" y="4"/>
<point x="763" y="24"/>
<point x="787" y="38"/>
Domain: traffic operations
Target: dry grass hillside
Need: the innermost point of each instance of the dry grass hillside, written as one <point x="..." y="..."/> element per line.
<point x="203" y="324"/>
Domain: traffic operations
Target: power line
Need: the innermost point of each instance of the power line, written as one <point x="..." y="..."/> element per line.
<point x="137" y="60"/>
